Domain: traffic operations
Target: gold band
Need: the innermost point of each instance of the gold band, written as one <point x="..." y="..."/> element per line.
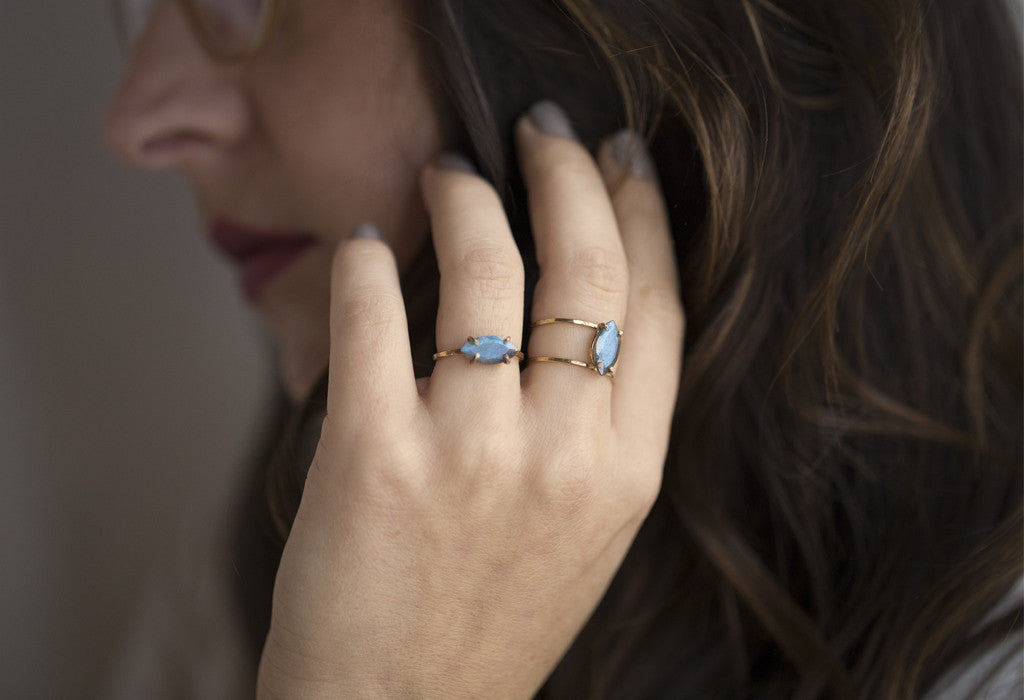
<point x="458" y="353"/>
<point x="576" y="363"/>
<point x="544" y="358"/>
<point x="604" y="348"/>
<point x="573" y="321"/>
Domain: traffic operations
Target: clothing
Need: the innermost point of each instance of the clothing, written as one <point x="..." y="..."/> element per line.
<point x="186" y="640"/>
<point x="1000" y="670"/>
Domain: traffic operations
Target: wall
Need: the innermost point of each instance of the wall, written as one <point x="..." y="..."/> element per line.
<point x="131" y="376"/>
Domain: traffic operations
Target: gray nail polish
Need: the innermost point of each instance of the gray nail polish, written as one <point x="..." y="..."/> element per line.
<point x="551" y="119"/>
<point x="367" y="230"/>
<point x="450" y="160"/>
<point x="630" y="152"/>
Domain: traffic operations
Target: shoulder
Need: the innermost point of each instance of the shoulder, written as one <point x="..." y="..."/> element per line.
<point x="998" y="672"/>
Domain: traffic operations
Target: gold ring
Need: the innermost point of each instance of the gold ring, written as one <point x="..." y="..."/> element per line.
<point x="485" y="350"/>
<point x="604" y="348"/>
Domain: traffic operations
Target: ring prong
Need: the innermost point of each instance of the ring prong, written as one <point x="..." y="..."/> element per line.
<point x="475" y="357"/>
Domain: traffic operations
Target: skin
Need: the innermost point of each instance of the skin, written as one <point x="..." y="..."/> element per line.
<point x="323" y="129"/>
<point x="454" y="536"/>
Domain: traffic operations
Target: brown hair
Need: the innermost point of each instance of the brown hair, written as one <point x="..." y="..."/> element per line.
<point x="841" y="506"/>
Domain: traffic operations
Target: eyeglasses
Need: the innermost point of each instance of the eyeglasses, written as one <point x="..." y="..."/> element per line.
<point x="229" y="30"/>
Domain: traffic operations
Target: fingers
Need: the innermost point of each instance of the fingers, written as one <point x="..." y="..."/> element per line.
<point x="582" y="262"/>
<point x="650" y="358"/>
<point x="371" y="379"/>
<point x="605" y="251"/>
<point x="481" y="287"/>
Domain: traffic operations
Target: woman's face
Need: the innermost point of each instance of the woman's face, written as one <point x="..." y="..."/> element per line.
<point x="325" y="127"/>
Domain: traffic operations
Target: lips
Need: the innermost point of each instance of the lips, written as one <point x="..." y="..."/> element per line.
<point x="261" y="254"/>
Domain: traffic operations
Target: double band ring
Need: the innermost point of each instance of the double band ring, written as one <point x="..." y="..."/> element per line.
<point x="604" y="348"/>
<point x="485" y="350"/>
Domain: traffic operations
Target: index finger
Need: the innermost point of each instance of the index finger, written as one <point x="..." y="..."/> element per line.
<point x="370" y="380"/>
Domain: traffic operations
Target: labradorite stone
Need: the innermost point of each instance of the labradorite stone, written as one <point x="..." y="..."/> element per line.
<point x="606" y="347"/>
<point x="491" y="349"/>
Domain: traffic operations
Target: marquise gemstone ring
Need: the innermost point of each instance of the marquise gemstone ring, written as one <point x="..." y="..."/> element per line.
<point x="604" y="348"/>
<point x="485" y="350"/>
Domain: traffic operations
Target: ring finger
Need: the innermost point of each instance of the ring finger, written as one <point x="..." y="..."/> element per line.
<point x="583" y="269"/>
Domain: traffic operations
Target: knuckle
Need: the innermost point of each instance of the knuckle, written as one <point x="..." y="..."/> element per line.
<point x="584" y="481"/>
<point x="377" y="456"/>
<point x="350" y="436"/>
<point x="573" y="486"/>
<point x="481" y="464"/>
<point x="486" y="436"/>
<point x="567" y="169"/>
<point x="602" y="272"/>
<point x="570" y="481"/>
<point x="490" y="460"/>
<point x="357" y="438"/>
<point x="490" y="268"/>
<point x="660" y="301"/>
<point x="370" y="312"/>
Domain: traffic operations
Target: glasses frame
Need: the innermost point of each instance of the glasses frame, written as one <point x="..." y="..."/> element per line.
<point x="209" y="42"/>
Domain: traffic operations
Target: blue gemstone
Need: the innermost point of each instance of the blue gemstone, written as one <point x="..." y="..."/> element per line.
<point x="606" y="348"/>
<point x="489" y="350"/>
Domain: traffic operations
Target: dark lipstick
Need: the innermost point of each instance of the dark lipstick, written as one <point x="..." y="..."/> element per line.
<point x="261" y="254"/>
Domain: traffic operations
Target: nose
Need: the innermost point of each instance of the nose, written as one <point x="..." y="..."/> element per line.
<point x="175" y="106"/>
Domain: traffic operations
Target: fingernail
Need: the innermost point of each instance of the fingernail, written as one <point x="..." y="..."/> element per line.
<point x="367" y="230"/>
<point x="630" y="153"/>
<point x="450" y="160"/>
<point x="551" y="119"/>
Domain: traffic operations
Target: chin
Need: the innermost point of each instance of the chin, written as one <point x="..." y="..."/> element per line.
<point x="296" y="311"/>
<point x="301" y="363"/>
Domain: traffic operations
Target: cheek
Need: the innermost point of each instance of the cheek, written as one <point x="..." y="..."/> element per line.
<point x="352" y="136"/>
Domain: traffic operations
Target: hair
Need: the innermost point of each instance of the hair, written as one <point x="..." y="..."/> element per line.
<point x="841" y="504"/>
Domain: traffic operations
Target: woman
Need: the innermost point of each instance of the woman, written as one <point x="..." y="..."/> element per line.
<point x="829" y="484"/>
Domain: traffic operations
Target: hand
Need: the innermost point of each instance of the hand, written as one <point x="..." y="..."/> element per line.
<point x="452" y="543"/>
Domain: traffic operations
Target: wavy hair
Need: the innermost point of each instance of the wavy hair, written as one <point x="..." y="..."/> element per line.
<point x="841" y="507"/>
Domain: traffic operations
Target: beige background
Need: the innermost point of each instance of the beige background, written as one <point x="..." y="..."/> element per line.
<point x="131" y="375"/>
